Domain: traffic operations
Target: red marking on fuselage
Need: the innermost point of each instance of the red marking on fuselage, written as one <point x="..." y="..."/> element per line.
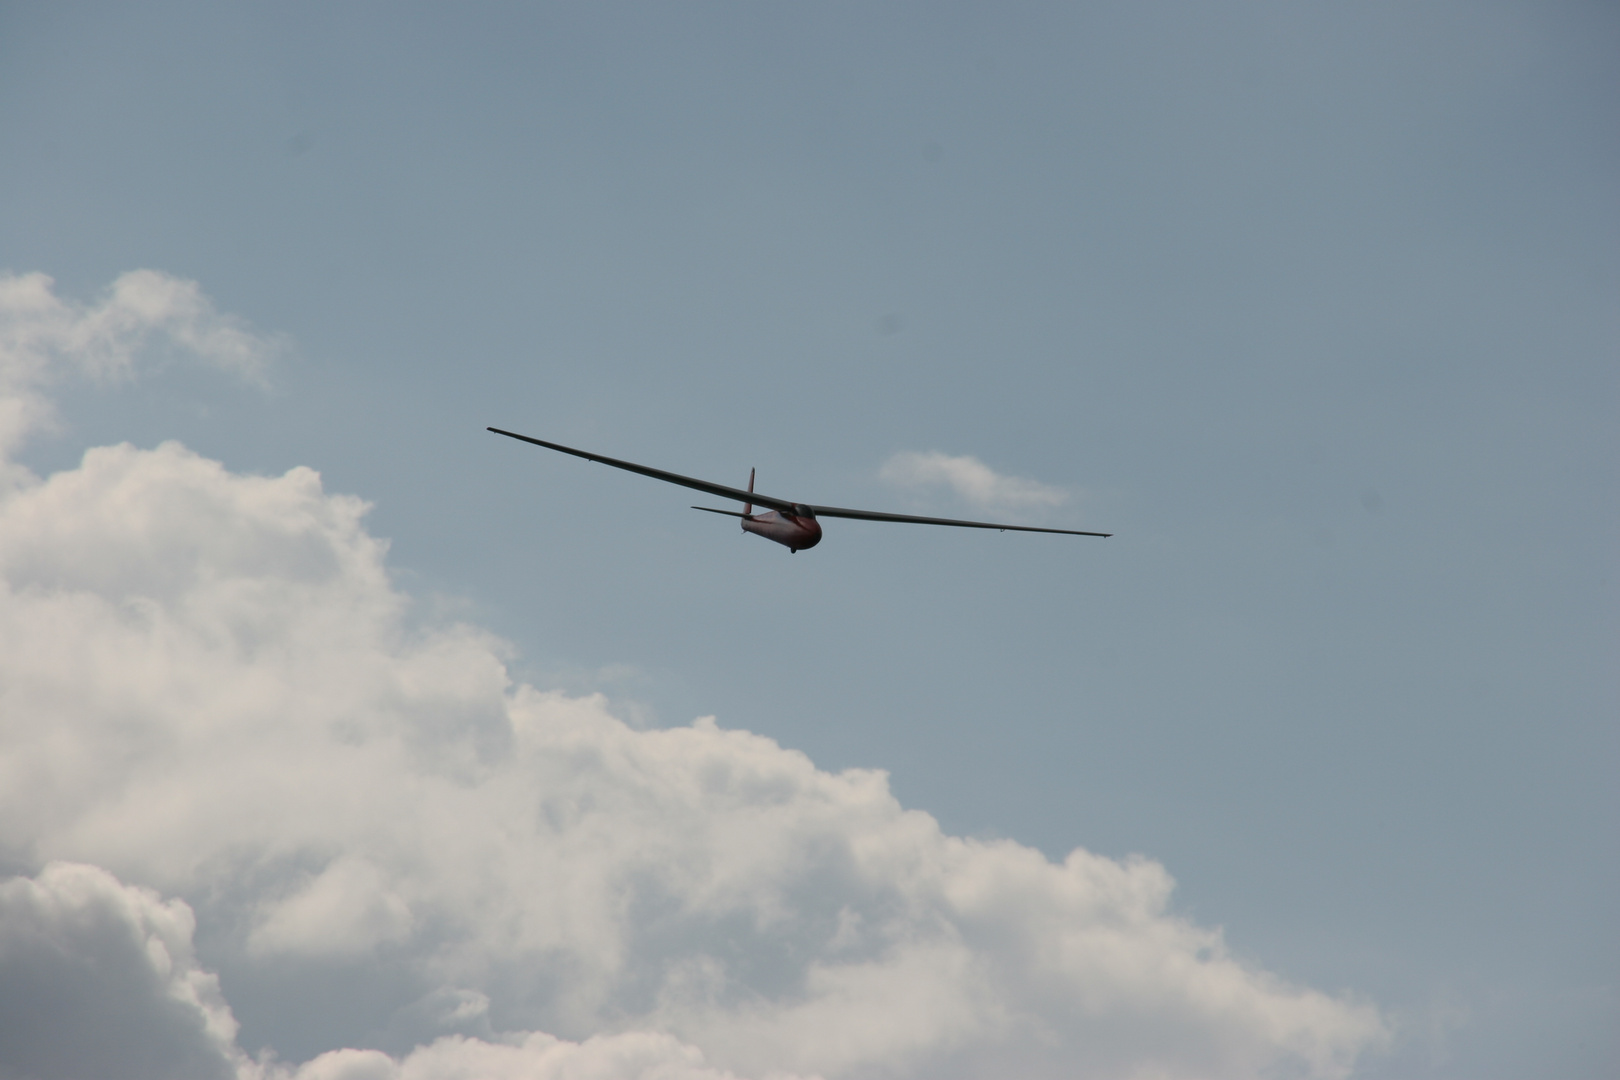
<point x="790" y="530"/>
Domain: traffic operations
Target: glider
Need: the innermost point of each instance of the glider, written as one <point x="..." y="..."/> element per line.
<point x="793" y="525"/>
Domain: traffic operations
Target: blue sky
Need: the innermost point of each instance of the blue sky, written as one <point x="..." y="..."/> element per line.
<point x="1313" y="307"/>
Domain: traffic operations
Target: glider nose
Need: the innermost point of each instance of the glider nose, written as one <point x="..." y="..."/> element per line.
<point x="812" y="532"/>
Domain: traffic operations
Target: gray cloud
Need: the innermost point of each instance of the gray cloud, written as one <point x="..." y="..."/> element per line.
<point x="99" y="980"/>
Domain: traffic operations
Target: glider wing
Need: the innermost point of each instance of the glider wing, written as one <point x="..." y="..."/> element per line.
<point x="719" y="490"/>
<point x="874" y="515"/>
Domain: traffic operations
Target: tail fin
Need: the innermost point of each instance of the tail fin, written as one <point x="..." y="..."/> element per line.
<point x="749" y="508"/>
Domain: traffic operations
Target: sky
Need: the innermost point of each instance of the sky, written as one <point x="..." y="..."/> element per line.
<point x="343" y="740"/>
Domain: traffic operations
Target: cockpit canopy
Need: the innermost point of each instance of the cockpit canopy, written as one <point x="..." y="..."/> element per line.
<point x="801" y="510"/>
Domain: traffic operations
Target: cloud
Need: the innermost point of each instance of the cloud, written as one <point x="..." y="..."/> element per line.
<point x="145" y="312"/>
<point x="99" y="981"/>
<point x="347" y="910"/>
<point x="971" y="480"/>
<point x="535" y="1056"/>
<point x="403" y="865"/>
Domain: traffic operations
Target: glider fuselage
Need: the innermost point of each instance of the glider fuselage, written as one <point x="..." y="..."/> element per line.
<point x="793" y="531"/>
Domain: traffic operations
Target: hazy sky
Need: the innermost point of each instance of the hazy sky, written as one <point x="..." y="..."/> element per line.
<point x="1315" y="307"/>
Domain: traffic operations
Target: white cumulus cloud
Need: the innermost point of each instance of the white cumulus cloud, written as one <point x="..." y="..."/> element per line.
<point x="144" y="313"/>
<point x="404" y="865"/>
<point x="970" y="480"/>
